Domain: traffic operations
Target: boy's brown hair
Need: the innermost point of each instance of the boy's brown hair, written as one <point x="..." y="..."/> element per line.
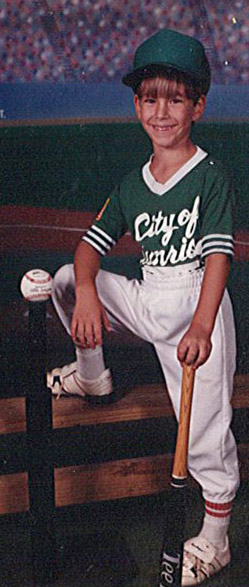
<point x="166" y="83"/>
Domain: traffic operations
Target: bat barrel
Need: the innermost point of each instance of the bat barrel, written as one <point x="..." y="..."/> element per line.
<point x="181" y="451"/>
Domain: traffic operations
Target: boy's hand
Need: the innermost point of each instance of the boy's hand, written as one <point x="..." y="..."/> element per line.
<point x="195" y="347"/>
<point x="88" y="319"/>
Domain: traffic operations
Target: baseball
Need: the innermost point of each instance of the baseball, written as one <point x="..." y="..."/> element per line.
<point x="36" y="285"/>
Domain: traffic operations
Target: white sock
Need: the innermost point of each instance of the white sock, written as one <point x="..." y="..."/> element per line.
<point x="90" y="362"/>
<point x="216" y="522"/>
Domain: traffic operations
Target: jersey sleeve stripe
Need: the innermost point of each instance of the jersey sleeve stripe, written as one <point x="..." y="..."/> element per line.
<point x="94" y="245"/>
<point x="101" y="241"/>
<point x="103" y="234"/>
<point x="220" y="237"/>
<point x="218" y="243"/>
<point x="211" y="250"/>
<point x="95" y="237"/>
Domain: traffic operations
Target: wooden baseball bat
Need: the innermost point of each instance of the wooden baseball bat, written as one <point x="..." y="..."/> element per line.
<point x="172" y="551"/>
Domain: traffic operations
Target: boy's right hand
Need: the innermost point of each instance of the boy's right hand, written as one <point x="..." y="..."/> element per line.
<point x="88" y="319"/>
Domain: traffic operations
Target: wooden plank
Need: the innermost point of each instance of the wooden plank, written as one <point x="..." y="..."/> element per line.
<point x="147" y="401"/>
<point x="12" y="415"/>
<point x="90" y="483"/>
<point x="122" y="479"/>
<point x="104" y="481"/>
<point x="14" y="497"/>
<point x="112" y="480"/>
<point x="150" y="401"/>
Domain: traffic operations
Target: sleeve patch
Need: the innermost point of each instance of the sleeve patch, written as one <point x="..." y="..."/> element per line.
<point x="100" y="214"/>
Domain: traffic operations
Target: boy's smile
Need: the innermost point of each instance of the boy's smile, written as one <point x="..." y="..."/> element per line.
<point x="168" y="119"/>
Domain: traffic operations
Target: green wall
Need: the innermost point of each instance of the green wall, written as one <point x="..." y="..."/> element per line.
<point x="76" y="166"/>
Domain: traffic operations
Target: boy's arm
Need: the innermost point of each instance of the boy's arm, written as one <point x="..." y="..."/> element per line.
<point x="195" y="346"/>
<point x="89" y="314"/>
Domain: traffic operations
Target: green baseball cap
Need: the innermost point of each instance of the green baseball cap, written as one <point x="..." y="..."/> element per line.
<point x="169" y="49"/>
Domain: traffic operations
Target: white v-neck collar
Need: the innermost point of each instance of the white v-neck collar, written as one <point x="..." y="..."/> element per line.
<point x="161" y="188"/>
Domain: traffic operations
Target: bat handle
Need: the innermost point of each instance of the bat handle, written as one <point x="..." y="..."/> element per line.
<point x="181" y="451"/>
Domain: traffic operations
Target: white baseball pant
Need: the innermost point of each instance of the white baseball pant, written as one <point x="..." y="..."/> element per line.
<point x="159" y="309"/>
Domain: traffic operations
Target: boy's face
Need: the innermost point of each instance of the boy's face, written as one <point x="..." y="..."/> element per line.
<point x="166" y="113"/>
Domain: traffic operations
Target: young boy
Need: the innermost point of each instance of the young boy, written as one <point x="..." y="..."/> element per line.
<point x="178" y="206"/>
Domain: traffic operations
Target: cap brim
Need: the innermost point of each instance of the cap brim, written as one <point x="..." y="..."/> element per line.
<point x="134" y="78"/>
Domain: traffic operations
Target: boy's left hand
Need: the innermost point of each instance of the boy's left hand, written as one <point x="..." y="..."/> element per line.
<point x="195" y="346"/>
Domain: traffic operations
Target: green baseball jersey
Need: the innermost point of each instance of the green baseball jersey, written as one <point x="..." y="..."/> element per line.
<point x="188" y="217"/>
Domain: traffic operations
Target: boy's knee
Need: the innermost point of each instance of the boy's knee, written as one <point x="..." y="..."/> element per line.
<point x="62" y="278"/>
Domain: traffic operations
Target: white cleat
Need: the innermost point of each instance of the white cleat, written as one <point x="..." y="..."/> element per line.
<point x="201" y="560"/>
<point x="66" y="381"/>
